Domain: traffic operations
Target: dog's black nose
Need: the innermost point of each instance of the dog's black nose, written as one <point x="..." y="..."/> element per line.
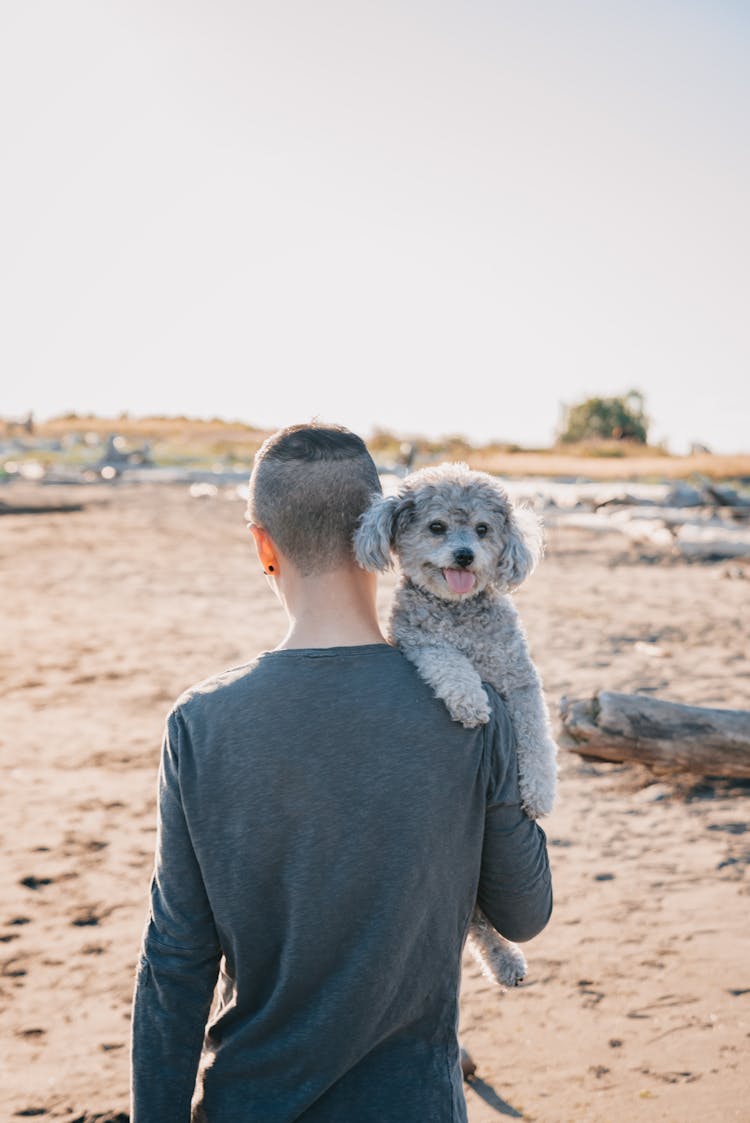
<point x="463" y="557"/>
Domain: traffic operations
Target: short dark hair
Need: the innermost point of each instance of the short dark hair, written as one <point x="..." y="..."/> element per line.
<point x="309" y="486"/>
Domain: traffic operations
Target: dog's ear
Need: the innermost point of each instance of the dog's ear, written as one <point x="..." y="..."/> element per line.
<point x="376" y="533"/>
<point x="372" y="538"/>
<point x="524" y="545"/>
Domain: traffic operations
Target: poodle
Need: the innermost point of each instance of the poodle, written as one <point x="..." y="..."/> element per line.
<point x="463" y="547"/>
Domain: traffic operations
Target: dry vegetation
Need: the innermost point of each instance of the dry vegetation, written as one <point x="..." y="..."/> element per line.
<point x="643" y="465"/>
<point x="185" y="438"/>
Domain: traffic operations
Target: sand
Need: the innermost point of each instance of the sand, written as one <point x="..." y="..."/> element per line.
<point x="637" y="1004"/>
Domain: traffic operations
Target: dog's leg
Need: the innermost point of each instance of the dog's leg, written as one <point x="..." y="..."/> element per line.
<point x="537" y="751"/>
<point x="499" y="958"/>
<point x="454" y="680"/>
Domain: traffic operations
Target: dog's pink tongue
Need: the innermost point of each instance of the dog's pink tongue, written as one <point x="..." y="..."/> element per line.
<point x="459" y="580"/>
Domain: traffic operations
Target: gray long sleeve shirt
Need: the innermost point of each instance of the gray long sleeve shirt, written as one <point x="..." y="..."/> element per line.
<point x="324" y="830"/>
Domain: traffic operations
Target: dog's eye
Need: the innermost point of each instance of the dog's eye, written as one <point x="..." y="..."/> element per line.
<point x="481" y="529"/>
<point x="437" y="527"/>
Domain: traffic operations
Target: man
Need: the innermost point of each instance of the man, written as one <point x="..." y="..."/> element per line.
<point x="324" y="832"/>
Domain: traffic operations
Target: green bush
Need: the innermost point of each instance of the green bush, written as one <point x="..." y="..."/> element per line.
<point x="606" y="419"/>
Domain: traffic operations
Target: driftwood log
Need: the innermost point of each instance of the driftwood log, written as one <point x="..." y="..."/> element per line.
<point x="670" y="531"/>
<point x="38" y="508"/>
<point x="634" y="727"/>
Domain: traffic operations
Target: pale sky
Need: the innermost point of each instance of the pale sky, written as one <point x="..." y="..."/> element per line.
<point x="436" y="217"/>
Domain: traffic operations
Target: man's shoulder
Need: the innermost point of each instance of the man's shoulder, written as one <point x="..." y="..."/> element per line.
<point x="279" y="667"/>
<point x="213" y="691"/>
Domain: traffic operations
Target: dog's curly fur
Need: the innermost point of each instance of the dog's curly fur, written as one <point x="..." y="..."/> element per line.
<point x="463" y="547"/>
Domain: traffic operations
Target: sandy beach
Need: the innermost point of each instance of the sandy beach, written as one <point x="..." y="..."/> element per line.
<point x="637" y="1003"/>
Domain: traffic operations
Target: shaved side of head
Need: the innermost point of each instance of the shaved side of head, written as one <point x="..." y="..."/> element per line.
<point x="309" y="486"/>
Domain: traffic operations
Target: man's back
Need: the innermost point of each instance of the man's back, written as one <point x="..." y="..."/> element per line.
<point x="323" y="825"/>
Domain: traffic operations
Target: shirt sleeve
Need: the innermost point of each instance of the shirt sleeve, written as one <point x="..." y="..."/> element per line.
<point x="515" y="888"/>
<point x="179" y="959"/>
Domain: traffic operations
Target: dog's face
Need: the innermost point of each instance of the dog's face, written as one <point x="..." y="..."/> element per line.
<point x="455" y="533"/>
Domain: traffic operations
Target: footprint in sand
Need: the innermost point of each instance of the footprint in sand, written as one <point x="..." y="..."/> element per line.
<point x="88" y="916"/>
<point x="11" y="969"/>
<point x="591" y="997"/>
<point x="32" y="882"/>
<point x="106" y="1117"/>
<point x="74" y="845"/>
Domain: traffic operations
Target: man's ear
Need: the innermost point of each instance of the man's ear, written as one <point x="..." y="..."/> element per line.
<point x="373" y="536"/>
<point x="265" y="549"/>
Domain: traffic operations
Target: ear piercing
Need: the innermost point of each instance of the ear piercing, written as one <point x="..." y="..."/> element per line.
<point x="269" y="570"/>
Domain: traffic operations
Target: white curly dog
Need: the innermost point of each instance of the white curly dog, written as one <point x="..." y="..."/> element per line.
<point x="462" y="548"/>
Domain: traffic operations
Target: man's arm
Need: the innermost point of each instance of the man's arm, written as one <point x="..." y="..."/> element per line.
<point x="515" y="889"/>
<point x="179" y="961"/>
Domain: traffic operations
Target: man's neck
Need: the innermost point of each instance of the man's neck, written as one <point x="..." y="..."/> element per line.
<point x="334" y="609"/>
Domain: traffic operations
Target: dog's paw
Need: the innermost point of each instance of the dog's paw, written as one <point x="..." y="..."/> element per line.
<point x="537" y="804"/>
<point x="507" y="963"/>
<point x="499" y="959"/>
<point x="470" y="718"/>
<point x="471" y="710"/>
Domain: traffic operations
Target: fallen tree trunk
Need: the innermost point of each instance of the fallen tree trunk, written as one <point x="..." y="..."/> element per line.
<point x="634" y="727"/>
<point x="39" y="508"/>
<point x="707" y="542"/>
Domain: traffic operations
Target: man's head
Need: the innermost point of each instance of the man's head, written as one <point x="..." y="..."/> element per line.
<point x="309" y="486"/>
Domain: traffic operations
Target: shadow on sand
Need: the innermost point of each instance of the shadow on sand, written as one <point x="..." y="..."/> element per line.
<point x="487" y="1093"/>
